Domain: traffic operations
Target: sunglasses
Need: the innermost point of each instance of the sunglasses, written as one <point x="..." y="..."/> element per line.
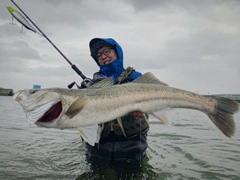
<point x="105" y="51"/>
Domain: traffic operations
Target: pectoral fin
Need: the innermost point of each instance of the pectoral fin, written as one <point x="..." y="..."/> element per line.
<point x="76" y="107"/>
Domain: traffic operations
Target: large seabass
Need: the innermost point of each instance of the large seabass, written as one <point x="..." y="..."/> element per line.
<point x="103" y="102"/>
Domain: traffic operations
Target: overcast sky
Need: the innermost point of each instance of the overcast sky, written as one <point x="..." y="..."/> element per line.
<point x="189" y="44"/>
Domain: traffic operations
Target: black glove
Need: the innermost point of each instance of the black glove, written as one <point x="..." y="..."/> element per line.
<point x="86" y="83"/>
<point x="98" y="76"/>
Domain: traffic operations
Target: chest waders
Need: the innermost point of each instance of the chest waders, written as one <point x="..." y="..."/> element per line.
<point x="123" y="139"/>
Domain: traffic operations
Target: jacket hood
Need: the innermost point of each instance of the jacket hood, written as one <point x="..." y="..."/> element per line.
<point x="115" y="68"/>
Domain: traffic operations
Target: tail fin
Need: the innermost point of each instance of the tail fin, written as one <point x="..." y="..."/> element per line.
<point x="223" y="118"/>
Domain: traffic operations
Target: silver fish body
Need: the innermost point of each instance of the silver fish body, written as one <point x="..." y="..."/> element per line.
<point x="64" y="108"/>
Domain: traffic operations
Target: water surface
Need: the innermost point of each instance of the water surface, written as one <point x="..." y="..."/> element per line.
<point x="190" y="148"/>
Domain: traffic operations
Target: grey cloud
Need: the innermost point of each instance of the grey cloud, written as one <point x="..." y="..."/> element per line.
<point x="11" y="64"/>
<point x="18" y="49"/>
<point x="8" y="29"/>
<point x="187" y="43"/>
<point x="195" y="7"/>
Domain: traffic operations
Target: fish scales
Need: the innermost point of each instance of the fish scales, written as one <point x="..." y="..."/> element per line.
<point x="108" y="103"/>
<point x="164" y="97"/>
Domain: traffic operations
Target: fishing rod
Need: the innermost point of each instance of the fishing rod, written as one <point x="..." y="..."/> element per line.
<point x="74" y="67"/>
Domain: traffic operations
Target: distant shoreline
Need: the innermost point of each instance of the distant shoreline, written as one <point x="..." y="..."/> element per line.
<point x="6" y="94"/>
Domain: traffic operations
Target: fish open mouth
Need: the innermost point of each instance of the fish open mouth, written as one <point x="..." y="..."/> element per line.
<point x="52" y="114"/>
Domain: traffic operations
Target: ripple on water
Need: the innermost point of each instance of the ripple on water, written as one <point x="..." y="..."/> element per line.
<point x="189" y="147"/>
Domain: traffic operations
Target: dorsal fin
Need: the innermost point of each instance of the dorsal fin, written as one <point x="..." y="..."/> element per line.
<point x="103" y="83"/>
<point x="149" y="78"/>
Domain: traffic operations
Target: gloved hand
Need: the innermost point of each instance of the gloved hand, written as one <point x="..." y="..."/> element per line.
<point x="86" y="83"/>
<point x="98" y="76"/>
<point x="137" y="114"/>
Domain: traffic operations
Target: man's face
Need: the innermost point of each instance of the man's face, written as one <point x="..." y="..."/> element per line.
<point x="106" y="55"/>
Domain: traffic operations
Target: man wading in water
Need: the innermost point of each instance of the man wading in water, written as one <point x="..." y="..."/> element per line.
<point x="123" y="139"/>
